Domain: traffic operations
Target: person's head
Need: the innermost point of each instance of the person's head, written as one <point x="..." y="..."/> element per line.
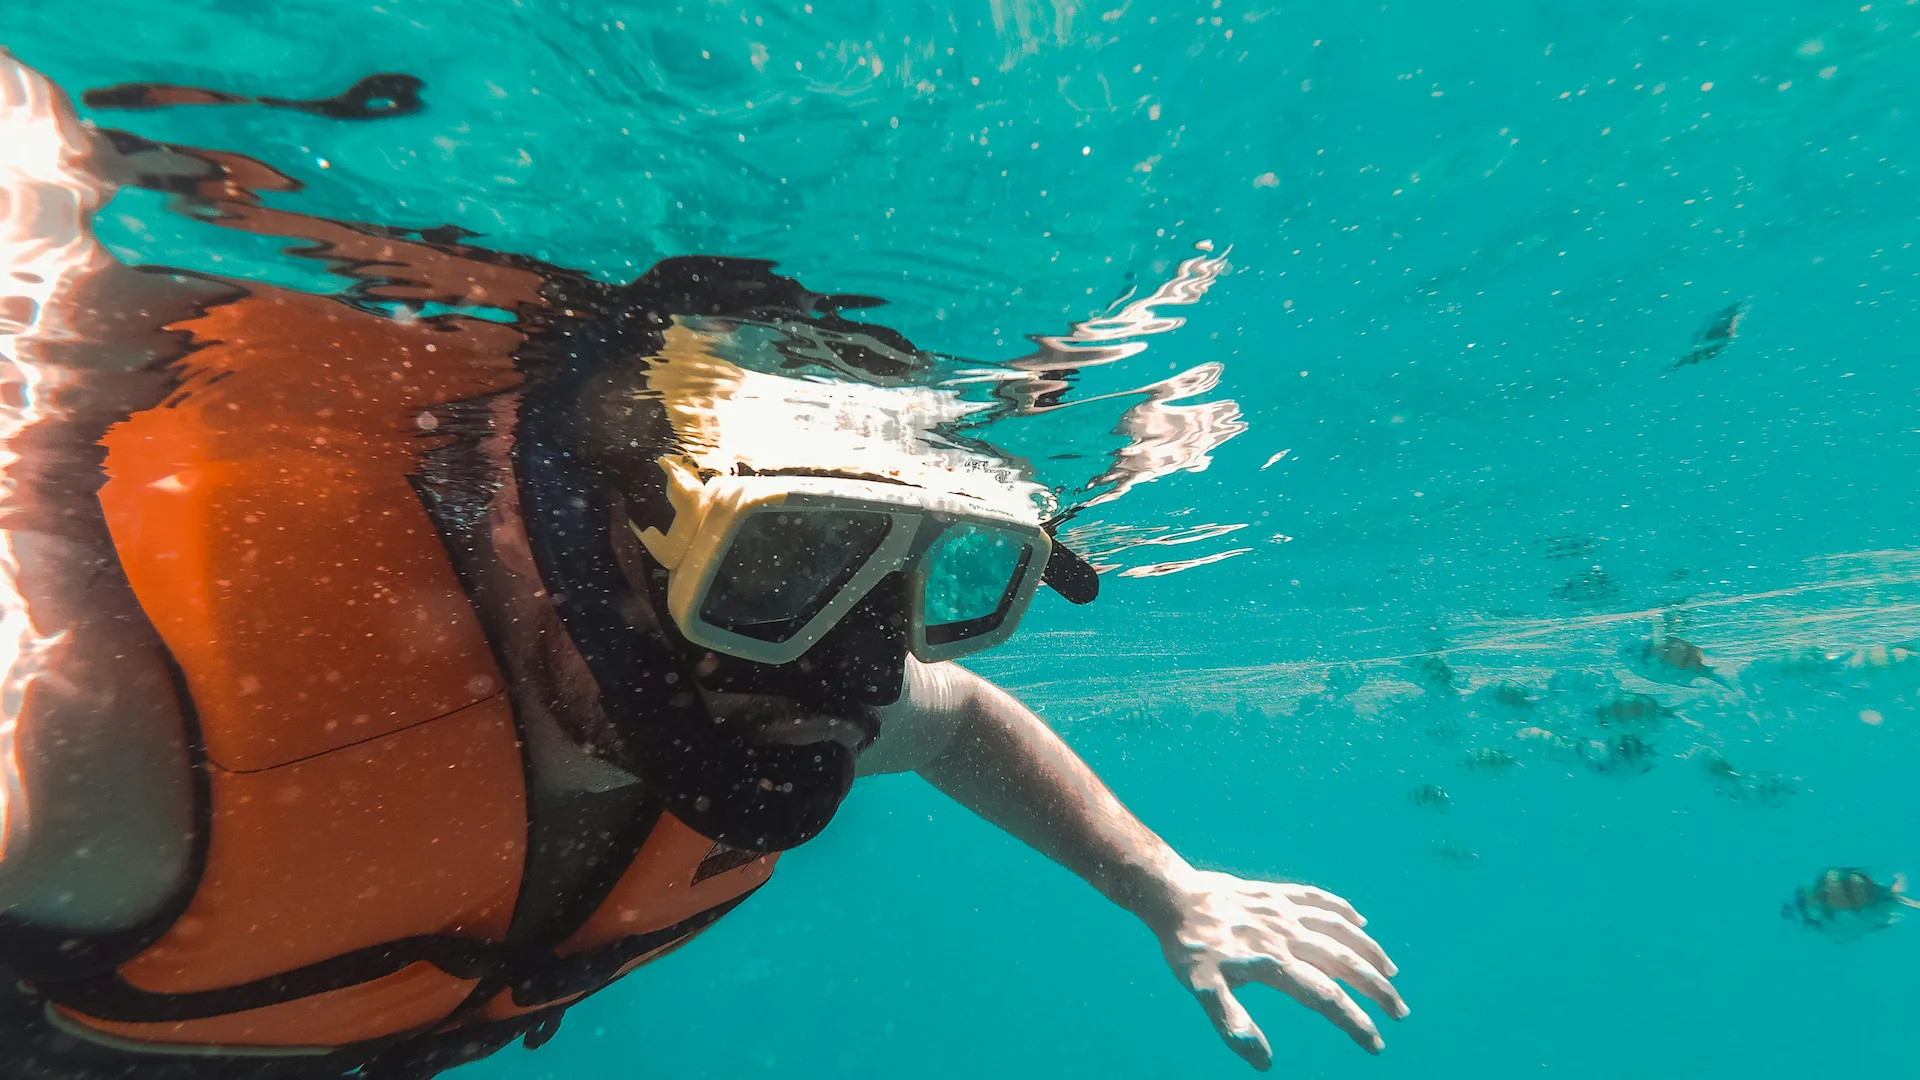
<point x="789" y="500"/>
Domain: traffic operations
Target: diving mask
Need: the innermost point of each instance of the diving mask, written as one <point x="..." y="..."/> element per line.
<point x="762" y="567"/>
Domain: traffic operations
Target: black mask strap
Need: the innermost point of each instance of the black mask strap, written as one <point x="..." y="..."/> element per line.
<point x="1067" y="573"/>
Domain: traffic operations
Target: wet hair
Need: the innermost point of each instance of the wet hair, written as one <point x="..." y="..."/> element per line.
<point x="587" y="447"/>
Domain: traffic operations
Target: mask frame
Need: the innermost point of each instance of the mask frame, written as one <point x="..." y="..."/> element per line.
<point x="709" y="516"/>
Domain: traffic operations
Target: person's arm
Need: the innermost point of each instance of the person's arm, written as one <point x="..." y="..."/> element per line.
<point x="96" y="810"/>
<point x="978" y="744"/>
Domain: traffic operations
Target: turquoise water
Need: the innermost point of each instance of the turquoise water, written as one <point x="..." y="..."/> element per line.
<point x="1475" y="261"/>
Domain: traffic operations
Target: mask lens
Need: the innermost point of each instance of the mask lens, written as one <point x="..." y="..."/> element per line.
<point x="784" y="566"/>
<point x="972" y="575"/>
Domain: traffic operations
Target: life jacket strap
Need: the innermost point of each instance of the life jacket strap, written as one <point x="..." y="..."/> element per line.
<point x="536" y="978"/>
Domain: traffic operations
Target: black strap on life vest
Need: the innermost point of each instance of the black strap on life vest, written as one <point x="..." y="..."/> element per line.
<point x="525" y="964"/>
<point x="535" y="979"/>
<point x="32" y="1047"/>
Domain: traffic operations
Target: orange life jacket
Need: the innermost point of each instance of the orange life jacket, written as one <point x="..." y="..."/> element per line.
<point x="364" y="794"/>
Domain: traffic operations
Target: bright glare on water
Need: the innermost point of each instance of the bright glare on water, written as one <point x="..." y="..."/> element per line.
<point x="1497" y="426"/>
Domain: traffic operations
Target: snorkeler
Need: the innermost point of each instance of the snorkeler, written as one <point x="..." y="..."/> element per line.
<point x="388" y="671"/>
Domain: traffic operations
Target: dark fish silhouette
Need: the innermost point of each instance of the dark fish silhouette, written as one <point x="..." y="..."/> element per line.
<point x="1632" y="710"/>
<point x="1431" y="797"/>
<point x="1565" y="547"/>
<point x="1589" y="588"/>
<point x="1717" y="335"/>
<point x="1717" y="767"/>
<point x="1768" y="788"/>
<point x="1508" y="696"/>
<point x="1548" y="742"/>
<point x="1488" y="760"/>
<point x="1623" y="755"/>
<point x="375" y="97"/>
<point x="1765" y="788"/>
<point x="1846" y="899"/>
<point x="1666" y="657"/>
<point x="1454" y="853"/>
<point x="1434" y="674"/>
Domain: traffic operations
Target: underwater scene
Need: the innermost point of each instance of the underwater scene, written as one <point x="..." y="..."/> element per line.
<point x="1443" y="463"/>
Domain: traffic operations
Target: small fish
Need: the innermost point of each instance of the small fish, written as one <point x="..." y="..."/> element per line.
<point x="1343" y="679"/>
<point x="1667" y="655"/>
<point x="1623" y="755"/>
<point x="1489" y="760"/>
<point x="1846" y="898"/>
<point x="1876" y="658"/>
<point x="1560" y="548"/>
<point x="1455" y="853"/>
<point x="1509" y="696"/>
<point x="1435" y="676"/>
<point x="1444" y="727"/>
<point x="1547" y="741"/>
<point x="1717" y="767"/>
<point x="1634" y="710"/>
<point x="1678" y="655"/>
<point x="1806" y="663"/>
<point x="1766" y="788"/>
<point x="1431" y="797"/>
<point x="1716" y="336"/>
<point x="1590" y="588"/>
<point x="1769" y="788"/>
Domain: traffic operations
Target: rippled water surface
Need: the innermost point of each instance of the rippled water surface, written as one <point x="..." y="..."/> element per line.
<point x="1435" y="384"/>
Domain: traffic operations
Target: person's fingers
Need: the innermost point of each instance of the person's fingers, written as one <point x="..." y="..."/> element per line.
<point x="1349" y="967"/>
<point x="1353" y="938"/>
<point x="1311" y="987"/>
<point x="1230" y="1019"/>
<point x="1324" y="900"/>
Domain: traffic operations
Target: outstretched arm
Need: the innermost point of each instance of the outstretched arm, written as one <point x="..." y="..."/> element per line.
<point x="980" y="745"/>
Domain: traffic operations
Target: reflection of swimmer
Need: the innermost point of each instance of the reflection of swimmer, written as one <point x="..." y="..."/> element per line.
<point x="392" y="683"/>
<point x="1846" y="900"/>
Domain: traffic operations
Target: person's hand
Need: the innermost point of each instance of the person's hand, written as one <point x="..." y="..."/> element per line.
<point x="1227" y="932"/>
